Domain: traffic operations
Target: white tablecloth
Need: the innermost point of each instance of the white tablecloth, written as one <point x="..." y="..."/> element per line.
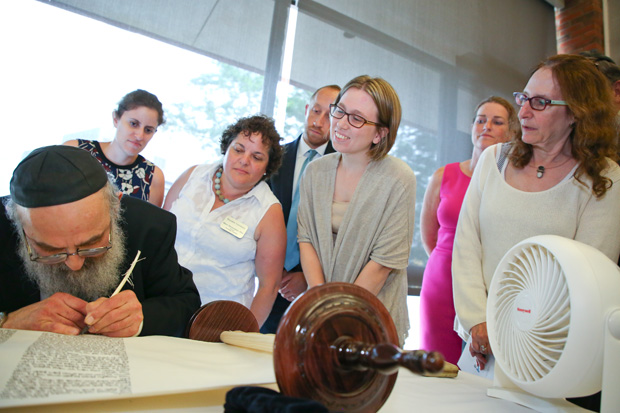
<point x="170" y="374"/>
<point x="466" y="393"/>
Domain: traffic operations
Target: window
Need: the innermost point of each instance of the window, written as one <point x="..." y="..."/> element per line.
<point x="210" y="61"/>
<point x="68" y="62"/>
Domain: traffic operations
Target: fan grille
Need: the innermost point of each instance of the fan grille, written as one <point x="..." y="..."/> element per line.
<point x="533" y="314"/>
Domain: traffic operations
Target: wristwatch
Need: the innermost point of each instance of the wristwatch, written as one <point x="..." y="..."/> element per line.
<point x="3" y="317"/>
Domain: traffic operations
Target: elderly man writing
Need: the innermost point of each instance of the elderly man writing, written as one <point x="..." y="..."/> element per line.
<point x="67" y="238"/>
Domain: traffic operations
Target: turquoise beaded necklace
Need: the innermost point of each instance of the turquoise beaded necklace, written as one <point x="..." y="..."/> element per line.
<point x="218" y="187"/>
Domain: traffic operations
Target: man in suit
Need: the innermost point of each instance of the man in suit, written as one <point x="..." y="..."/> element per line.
<point x="67" y="236"/>
<point x="311" y="144"/>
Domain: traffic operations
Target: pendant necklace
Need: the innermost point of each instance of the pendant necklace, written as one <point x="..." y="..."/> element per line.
<point x="218" y="186"/>
<point x="540" y="171"/>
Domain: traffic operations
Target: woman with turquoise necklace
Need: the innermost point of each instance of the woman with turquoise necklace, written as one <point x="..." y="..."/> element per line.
<point x="230" y="226"/>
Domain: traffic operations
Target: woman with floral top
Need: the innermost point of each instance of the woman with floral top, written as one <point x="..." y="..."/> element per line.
<point x="136" y="120"/>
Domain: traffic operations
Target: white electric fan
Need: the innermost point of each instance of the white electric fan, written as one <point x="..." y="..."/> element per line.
<point x="553" y="319"/>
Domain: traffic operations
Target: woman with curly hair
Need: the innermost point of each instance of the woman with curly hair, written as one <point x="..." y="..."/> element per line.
<point x="230" y="225"/>
<point x="558" y="178"/>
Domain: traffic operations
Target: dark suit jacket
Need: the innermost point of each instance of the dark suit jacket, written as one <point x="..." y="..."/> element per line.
<point x="281" y="184"/>
<point x="165" y="289"/>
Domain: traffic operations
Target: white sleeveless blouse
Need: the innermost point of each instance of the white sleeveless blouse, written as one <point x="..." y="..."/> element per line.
<point x="222" y="264"/>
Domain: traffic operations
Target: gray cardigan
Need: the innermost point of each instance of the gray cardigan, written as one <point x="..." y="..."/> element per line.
<point x="377" y="225"/>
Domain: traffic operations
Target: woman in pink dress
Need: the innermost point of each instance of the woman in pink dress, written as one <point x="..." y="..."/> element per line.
<point x="495" y="121"/>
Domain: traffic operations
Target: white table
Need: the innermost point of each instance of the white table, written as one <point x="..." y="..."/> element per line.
<point x="169" y="374"/>
<point x="466" y="393"/>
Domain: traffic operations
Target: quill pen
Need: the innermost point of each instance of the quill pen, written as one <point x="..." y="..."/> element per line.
<point x="120" y="286"/>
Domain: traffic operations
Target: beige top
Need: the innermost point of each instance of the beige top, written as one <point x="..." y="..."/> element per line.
<point x="338" y="210"/>
<point x="496" y="216"/>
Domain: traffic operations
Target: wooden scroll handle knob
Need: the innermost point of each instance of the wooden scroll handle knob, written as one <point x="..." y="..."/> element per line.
<point x="384" y="357"/>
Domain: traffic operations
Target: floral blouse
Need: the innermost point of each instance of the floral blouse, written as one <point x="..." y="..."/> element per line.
<point x="133" y="179"/>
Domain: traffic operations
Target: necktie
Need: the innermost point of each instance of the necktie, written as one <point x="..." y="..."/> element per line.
<point x="292" y="248"/>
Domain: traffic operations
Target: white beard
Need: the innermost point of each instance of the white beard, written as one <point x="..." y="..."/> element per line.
<point x="97" y="278"/>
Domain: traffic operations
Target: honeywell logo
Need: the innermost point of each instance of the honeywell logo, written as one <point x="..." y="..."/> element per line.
<point x="523" y="310"/>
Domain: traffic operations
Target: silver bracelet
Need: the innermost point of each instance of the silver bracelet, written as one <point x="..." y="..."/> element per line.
<point x="3" y="317"/>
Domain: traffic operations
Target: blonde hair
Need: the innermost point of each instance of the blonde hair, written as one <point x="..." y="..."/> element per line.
<point x="514" y="127"/>
<point x="388" y="107"/>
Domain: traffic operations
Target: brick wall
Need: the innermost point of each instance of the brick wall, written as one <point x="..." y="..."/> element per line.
<point x="579" y="26"/>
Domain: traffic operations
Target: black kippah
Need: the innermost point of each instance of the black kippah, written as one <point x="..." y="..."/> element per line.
<point x="56" y="175"/>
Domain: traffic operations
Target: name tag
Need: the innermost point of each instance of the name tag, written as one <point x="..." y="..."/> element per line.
<point x="234" y="227"/>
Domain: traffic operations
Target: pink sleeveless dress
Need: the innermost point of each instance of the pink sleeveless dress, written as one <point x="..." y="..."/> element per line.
<point x="436" y="301"/>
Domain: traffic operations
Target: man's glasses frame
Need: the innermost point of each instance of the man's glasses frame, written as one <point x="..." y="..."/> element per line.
<point x="536" y="102"/>
<point x="354" y="120"/>
<point x="62" y="257"/>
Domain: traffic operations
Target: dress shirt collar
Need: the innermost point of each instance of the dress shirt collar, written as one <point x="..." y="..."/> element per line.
<point x="303" y="147"/>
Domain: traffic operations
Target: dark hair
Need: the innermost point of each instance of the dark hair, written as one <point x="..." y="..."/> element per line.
<point x="257" y="124"/>
<point x="139" y="98"/>
<point x="388" y="108"/>
<point x="605" y="64"/>
<point x="589" y="100"/>
<point x="514" y="127"/>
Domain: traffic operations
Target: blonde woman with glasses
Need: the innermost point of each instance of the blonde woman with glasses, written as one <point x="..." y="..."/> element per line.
<point x="356" y="212"/>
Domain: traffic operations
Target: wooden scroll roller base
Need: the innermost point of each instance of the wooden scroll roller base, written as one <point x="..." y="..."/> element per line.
<point x="336" y="344"/>
<point x="210" y="320"/>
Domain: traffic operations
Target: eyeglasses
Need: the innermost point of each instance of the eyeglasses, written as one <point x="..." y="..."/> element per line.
<point x="536" y="102"/>
<point x="62" y="257"/>
<point x="356" y="121"/>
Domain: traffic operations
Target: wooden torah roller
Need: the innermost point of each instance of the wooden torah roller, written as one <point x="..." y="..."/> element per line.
<point x="210" y="320"/>
<point x="336" y="344"/>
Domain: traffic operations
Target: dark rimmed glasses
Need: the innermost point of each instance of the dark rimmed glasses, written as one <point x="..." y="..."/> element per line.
<point x="536" y="102"/>
<point x="356" y="121"/>
<point x="62" y="257"/>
